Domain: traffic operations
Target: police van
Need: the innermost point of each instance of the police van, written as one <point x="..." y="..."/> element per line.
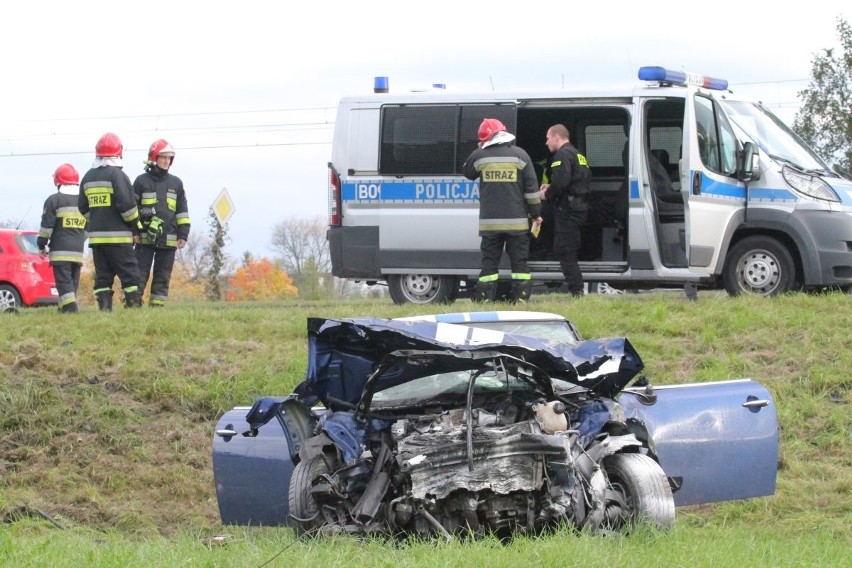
<point x="690" y="186"/>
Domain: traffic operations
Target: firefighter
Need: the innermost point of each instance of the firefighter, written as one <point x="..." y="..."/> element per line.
<point x="107" y="200"/>
<point x="63" y="230"/>
<point x="164" y="218"/>
<point x="508" y="198"/>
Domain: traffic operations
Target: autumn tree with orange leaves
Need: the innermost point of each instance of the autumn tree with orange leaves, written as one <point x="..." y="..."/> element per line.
<point x="260" y="279"/>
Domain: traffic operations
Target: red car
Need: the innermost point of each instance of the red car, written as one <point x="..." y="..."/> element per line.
<point x="26" y="279"/>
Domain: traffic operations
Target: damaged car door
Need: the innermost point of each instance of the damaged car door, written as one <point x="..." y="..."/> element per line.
<point x="291" y="460"/>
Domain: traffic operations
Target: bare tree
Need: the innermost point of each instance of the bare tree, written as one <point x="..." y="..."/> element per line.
<point x="304" y="254"/>
<point x="194" y="258"/>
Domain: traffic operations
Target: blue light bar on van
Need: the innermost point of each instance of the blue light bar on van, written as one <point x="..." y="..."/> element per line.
<point x="664" y="75"/>
<point x="380" y="85"/>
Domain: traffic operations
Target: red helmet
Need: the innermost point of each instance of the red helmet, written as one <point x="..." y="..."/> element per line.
<point x="66" y="175"/>
<point x="490" y="127"/>
<point x="109" y="145"/>
<point x="161" y="148"/>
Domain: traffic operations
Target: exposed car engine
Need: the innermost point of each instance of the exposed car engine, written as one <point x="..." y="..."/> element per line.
<point x="513" y="463"/>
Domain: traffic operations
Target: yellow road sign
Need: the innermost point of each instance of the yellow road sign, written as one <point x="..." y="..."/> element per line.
<point x="223" y="207"/>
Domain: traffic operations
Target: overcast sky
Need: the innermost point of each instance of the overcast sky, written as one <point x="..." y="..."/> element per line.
<point x="247" y="91"/>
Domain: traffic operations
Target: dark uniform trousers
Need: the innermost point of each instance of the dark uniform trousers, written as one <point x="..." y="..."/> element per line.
<point x="163" y="261"/>
<point x="566" y="245"/>
<point x="517" y="248"/>
<point x="67" y="277"/>
<point x="115" y="260"/>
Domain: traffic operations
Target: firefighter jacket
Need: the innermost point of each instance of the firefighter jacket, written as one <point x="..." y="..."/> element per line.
<point x="108" y="202"/>
<point x="508" y="190"/>
<point x="569" y="181"/>
<point x="162" y="201"/>
<point x="63" y="227"/>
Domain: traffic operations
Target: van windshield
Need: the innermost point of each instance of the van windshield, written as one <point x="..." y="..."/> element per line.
<point x="772" y="136"/>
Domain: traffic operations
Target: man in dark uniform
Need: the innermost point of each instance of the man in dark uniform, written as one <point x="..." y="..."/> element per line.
<point x="63" y="231"/>
<point x="165" y="220"/>
<point x="508" y="198"/>
<point x="568" y="191"/>
<point x="108" y="202"/>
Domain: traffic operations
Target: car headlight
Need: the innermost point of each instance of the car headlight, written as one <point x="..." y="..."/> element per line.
<point x="810" y="185"/>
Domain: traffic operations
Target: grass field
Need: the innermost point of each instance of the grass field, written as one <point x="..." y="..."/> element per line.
<point x="106" y="428"/>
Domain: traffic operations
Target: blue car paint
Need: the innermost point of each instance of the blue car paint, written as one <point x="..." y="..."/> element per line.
<point x="718" y="441"/>
<point x="251" y="473"/>
<point x="715" y="448"/>
<point x="343" y="353"/>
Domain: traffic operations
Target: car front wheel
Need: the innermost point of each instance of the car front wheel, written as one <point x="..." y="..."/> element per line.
<point x="638" y="492"/>
<point x="305" y="514"/>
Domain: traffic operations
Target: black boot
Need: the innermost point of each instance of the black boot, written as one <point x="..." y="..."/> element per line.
<point x="484" y="292"/>
<point x="521" y="291"/>
<point x="105" y="301"/>
<point x="133" y="299"/>
<point x="70" y="308"/>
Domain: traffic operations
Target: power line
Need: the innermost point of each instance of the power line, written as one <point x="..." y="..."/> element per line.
<point x="211" y="147"/>
<point x="219" y="129"/>
<point x="179" y="114"/>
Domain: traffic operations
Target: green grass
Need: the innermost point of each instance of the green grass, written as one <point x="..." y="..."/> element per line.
<point x="106" y="427"/>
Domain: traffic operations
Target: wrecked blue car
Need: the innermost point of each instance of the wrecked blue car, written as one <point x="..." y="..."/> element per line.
<point x="429" y="428"/>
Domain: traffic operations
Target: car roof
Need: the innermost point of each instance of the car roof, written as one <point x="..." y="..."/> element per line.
<point x="484" y="317"/>
<point x="343" y="355"/>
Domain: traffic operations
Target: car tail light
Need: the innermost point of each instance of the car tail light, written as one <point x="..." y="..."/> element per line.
<point x="334" y="209"/>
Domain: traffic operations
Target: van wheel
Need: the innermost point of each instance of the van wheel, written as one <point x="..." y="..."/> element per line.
<point x="761" y="266"/>
<point x="10" y="300"/>
<point x="604" y="288"/>
<point x="422" y="288"/>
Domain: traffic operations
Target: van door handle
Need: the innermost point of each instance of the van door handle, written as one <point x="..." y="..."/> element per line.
<point x="696" y="184"/>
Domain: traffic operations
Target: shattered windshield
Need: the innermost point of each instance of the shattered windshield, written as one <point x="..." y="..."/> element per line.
<point x="451" y="388"/>
<point x="772" y="136"/>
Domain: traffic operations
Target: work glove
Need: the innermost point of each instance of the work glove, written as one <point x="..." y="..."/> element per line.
<point x="154" y="231"/>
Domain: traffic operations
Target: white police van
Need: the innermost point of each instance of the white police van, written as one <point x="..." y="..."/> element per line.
<point x="691" y="186"/>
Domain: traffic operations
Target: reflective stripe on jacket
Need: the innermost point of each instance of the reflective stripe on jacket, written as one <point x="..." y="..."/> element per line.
<point x="108" y="202"/>
<point x="164" y="192"/>
<point x="63" y="228"/>
<point x="508" y="188"/>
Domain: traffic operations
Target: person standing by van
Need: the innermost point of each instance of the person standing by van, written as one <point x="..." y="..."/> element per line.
<point x="165" y="220"/>
<point x="63" y="230"/>
<point x="508" y="198"/>
<point x="107" y="200"/>
<point x="568" y="191"/>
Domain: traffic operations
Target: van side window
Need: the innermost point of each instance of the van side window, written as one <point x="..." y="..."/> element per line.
<point x="716" y="141"/>
<point x="433" y="139"/>
<point x="605" y="148"/>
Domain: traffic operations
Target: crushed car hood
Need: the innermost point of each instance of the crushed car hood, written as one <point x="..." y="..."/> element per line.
<point x="344" y="353"/>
